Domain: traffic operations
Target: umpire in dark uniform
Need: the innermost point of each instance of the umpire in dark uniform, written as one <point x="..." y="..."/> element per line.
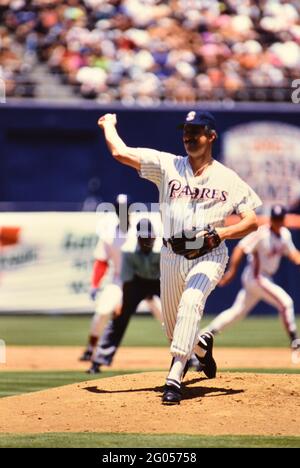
<point x="140" y="275"/>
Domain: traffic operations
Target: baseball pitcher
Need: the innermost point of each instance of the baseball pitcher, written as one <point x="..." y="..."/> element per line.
<point x="196" y="194"/>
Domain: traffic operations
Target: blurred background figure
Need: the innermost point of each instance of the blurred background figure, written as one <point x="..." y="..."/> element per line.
<point x="93" y="196"/>
<point x="106" y="281"/>
<point x="106" y="288"/>
<point x="140" y="275"/>
<point x="265" y="249"/>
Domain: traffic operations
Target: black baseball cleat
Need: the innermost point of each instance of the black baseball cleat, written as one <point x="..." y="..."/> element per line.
<point x="207" y="363"/>
<point x="86" y="355"/>
<point x="199" y="367"/>
<point x="94" y="369"/>
<point x="172" y="395"/>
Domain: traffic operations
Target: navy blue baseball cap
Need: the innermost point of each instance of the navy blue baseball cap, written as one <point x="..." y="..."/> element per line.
<point x="278" y="212"/>
<point x="200" y="118"/>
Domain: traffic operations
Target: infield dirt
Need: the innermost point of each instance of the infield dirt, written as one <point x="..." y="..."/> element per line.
<point x="39" y="358"/>
<point x="233" y="403"/>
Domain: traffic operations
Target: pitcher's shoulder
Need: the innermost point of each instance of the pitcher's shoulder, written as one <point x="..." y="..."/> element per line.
<point x="223" y="171"/>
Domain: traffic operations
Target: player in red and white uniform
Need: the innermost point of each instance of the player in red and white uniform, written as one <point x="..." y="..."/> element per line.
<point x="106" y="288"/>
<point x="264" y="248"/>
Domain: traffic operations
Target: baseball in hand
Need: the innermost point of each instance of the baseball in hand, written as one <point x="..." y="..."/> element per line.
<point x="107" y="119"/>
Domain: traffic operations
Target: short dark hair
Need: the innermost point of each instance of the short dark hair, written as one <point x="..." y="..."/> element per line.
<point x="210" y="131"/>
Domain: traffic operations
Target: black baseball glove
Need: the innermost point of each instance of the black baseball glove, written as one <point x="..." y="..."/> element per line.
<point x="195" y="247"/>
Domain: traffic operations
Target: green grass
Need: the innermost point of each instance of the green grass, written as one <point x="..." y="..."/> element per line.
<point x="142" y="331"/>
<point x="73" y="331"/>
<point x="95" y="440"/>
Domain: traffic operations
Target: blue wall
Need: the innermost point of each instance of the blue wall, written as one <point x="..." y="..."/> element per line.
<point x="50" y="153"/>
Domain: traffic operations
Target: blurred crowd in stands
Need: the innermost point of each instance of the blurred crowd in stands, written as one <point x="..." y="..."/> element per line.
<point x="152" y="51"/>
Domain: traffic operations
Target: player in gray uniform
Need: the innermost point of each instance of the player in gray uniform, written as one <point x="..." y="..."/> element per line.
<point x="140" y="279"/>
<point x="196" y="193"/>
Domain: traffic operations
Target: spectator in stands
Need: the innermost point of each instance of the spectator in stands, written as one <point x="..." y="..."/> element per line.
<point x="149" y="51"/>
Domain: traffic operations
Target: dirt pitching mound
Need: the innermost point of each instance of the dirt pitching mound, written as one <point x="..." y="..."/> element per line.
<point x="262" y="404"/>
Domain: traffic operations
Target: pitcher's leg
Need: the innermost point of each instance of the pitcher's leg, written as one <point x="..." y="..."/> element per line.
<point x="172" y="286"/>
<point x="200" y="282"/>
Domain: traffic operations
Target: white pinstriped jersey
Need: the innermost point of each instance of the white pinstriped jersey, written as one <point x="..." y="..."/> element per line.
<point x="265" y="249"/>
<point x="187" y="201"/>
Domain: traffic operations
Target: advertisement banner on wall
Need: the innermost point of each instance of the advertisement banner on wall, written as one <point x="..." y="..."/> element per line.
<point x="267" y="156"/>
<point x="46" y="261"/>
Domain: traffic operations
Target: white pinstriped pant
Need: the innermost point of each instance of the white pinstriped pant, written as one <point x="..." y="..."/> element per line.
<point x="185" y="287"/>
<point x="256" y="289"/>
